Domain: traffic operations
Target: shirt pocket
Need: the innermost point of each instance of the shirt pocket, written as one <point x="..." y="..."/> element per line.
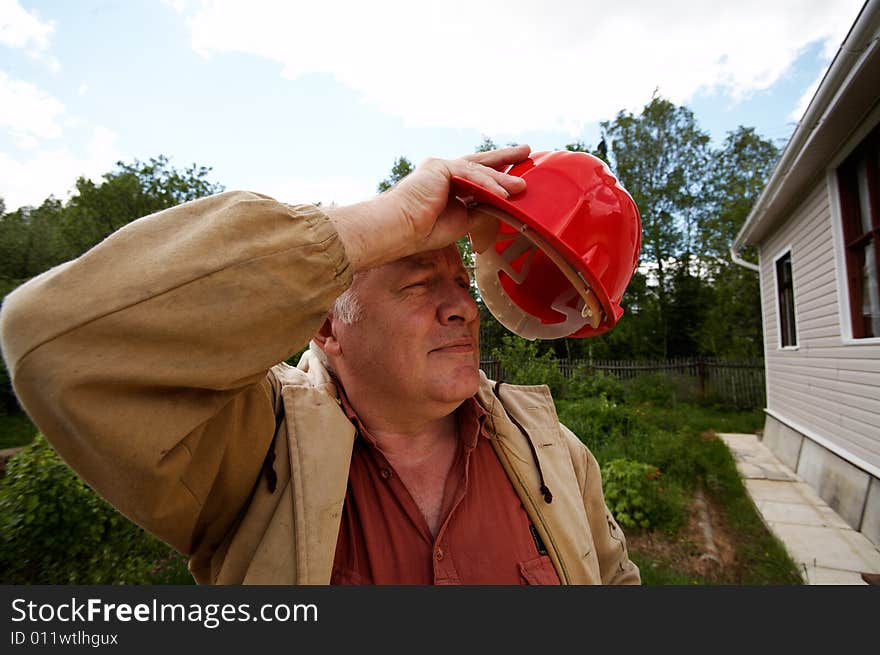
<point x="538" y="571"/>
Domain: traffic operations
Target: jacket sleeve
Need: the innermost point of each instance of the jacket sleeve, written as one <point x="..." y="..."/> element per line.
<point x="144" y="361"/>
<point x="615" y="566"/>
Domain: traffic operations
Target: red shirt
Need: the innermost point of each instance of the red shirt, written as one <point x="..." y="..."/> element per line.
<point x="485" y="538"/>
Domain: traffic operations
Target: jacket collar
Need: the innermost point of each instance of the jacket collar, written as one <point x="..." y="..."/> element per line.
<point x="531" y="405"/>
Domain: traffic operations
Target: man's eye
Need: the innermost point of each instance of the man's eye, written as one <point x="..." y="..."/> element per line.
<point x="416" y="284"/>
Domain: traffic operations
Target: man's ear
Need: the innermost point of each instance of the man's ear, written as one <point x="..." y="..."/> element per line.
<point x="326" y="339"/>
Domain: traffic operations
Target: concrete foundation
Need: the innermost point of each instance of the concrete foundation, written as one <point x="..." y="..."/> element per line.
<point x="840" y="484"/>
<point x="871" y="520"/>
<point x="852" y="492"/>
<point x="783" y="441"/>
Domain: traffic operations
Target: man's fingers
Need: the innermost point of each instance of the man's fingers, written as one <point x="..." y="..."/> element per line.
<point x="501" y="158"/>
<point x="489" y="178"/>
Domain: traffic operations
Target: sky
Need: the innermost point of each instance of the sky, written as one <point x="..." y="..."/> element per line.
<point x="314" y="101"/>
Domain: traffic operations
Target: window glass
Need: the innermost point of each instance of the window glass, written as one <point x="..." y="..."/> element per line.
<point x="785" y="294"/>
<point x="859" y="184"/>
<point x="864" y="196"/>
<point x="870" y="294"/>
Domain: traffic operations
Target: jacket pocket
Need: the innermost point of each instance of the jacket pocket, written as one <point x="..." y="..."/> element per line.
<point x="538" y="571"/>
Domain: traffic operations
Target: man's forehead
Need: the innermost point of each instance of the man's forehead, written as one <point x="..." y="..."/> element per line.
<point x="430" y="261"/>
<point x="424" y="262"/>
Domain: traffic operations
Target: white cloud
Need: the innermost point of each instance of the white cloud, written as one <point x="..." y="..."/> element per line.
<point x="25" y="30"/>
<point x="328" y="191"/>
<point x="54" y="171"/>
<point x="28" y="113"/>
<point x="507" y="66"/>
<point x="798" y="112"/>
<point x="22" y="29"/>
<point x="177" y="5"/>
<point x="36" y="121"/>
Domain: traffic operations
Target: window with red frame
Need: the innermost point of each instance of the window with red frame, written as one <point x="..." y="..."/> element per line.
<point x="859" y="185"/>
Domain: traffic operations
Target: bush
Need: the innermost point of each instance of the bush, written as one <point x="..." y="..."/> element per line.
<point x="590" y="383"/>
<point x="638" y="499"/>
<point x="598" y="422"/>
<point x="16" y="429"/>
<point x="521" y="364"/>
<point x="55" y="530"/>
<point x="661" y="389"/>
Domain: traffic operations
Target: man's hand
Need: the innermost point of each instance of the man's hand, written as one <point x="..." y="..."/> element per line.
<point x="419" y="213"/>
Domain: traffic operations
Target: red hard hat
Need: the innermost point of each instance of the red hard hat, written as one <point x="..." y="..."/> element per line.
<point x="554" y="260"/>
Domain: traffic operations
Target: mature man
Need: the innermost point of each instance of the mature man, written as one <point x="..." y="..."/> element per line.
<point x="385" y="457"/>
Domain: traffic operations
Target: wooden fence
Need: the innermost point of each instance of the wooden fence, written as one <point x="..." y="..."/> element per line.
<point x="737" y="382"/>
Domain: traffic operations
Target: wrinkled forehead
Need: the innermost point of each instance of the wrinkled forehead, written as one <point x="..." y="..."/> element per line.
<point x="446" y="260"/>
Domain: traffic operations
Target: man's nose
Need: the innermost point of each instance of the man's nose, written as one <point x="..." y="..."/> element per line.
<point x="457" y="305"/>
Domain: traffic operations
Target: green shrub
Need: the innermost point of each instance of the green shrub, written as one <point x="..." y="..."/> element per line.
<point x="55" y="530"/>
<point x="590" y="383"/>
<point x="661" y="389"/>
<point x="638" y="499"/>
<point x="16" y="429"/>
<point x="522" y="365"/>
<point x="598" y="422"/>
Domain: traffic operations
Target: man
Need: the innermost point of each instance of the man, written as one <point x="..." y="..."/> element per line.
<point x="151" y="364"/>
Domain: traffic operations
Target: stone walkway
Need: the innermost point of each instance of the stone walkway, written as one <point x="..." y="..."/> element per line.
<point x="827" y="550"/>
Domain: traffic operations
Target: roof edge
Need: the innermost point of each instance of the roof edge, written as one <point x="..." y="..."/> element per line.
<point x="861" y="42"/>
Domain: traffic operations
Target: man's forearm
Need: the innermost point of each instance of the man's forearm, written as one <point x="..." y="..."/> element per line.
<point x="366" y="245"/>
<point x="223" y="272"/>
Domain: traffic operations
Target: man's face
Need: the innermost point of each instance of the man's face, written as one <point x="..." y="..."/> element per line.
<point x="418" y="338"/>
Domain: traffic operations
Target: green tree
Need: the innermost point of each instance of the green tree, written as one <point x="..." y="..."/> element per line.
<point x="577" y="146"/>
<point x="401" y="168"/>
<point x="732" y="325"/>
<point x="486" y="145"/>
<point x="600" y="151"/>
<point x="30" y="242"/>
<point x="739" y="171"/>
<point x="661" y="158"/>
<point x="690" y="299"/>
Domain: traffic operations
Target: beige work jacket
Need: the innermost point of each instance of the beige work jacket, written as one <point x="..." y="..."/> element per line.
<point x="151" y="364"/>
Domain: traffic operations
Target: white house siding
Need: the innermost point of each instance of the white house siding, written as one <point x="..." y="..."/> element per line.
<point x="825" y="390"/>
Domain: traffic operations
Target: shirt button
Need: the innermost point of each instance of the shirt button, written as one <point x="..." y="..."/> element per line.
<point x="439" y="554"/>
<point x="385" y="473"/>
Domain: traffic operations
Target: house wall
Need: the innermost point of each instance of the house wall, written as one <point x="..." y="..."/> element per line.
<point x="823" y="395"/>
